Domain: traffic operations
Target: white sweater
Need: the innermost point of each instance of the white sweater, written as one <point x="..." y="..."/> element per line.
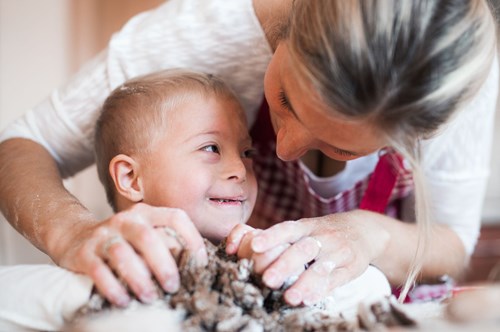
<point x="225" y="38"/>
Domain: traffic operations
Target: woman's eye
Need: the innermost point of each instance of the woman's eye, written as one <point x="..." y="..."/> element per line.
<point x="211" y="148"/>
<point x="283" y="99"/>
<point x="344" y="153"/>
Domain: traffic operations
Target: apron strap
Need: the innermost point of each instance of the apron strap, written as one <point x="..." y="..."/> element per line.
<point x="382" y="182"/>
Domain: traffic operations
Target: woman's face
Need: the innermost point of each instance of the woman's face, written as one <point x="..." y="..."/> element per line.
<point x="302" y="122"/>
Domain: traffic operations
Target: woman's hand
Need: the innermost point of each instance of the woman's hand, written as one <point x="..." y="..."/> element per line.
<point x="337" y="249"/>
<point x="131" y="247"/>
<point x="239" y="242"/>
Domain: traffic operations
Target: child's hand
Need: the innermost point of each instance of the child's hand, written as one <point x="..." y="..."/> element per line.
<point x="238" y="240"/>
<point x="131" y="247"/>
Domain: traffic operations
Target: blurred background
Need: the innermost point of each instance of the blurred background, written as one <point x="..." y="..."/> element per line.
<point x="42" y="43"/>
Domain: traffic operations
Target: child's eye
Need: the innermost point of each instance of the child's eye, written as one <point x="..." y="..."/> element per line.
<point x="250" y="153"/>
<point x="211" y="148"/>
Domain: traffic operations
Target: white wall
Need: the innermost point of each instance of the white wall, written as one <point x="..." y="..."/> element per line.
<point x="33" y="53"/>
<point x="33" y="60"/>
<point x="36" y="56"/>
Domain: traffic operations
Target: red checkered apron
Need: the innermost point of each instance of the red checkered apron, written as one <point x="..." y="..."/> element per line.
<point x="285" y="192"/>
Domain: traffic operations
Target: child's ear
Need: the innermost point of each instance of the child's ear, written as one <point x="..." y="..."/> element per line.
<point x="124" y="171"/>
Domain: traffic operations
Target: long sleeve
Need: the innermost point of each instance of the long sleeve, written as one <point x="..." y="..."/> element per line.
<point x="215" y="36"/>
<point x="456" y="164"/>
<point x="40" y="297"/>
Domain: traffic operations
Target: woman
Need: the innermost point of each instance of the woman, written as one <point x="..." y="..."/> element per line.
<point x="352" y="88"/>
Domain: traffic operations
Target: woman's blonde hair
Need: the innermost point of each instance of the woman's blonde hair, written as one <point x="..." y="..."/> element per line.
<point x="408" y="65"/>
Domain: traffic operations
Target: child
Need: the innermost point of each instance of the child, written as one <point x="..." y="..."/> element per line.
<point x="178" y="139"/>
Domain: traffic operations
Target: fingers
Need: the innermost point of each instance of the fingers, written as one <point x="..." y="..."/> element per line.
<point x="186" y="231"/>
<point x="329" y="270"/>
<point x="319" y="280"/>
<point x="174" y="232"/>
<point x="87" y="256"/>
<point x="291" y="260"/>
<point x="107" y="284"/>
<point x="152" y="245"/>
<point x="172" y="241"/>
<point x="121" y="257"/>
<point x="264" y="260"/>
<point x="133" y="246"/>
<point x="285" y="232"/>
<point x="239" y="242"/>
<point x="233" y="241"/>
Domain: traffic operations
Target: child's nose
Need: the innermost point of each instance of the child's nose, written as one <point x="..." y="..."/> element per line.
<point x="235" y="169"/>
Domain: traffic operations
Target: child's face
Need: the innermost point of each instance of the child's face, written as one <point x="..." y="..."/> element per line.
<point x="203" y="165"/>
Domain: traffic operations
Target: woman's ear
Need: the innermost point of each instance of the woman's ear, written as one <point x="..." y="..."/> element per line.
<point x="124" y="171"/>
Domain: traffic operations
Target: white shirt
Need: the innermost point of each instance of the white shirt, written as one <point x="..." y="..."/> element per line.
<point x="225" y="38"/>
<point x="40" y="297"/>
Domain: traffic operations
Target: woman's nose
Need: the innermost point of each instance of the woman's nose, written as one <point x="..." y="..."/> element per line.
<point x="291" y="145"/>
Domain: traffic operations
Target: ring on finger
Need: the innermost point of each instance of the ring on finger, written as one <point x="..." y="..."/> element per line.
<point x="109" y="243"/>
